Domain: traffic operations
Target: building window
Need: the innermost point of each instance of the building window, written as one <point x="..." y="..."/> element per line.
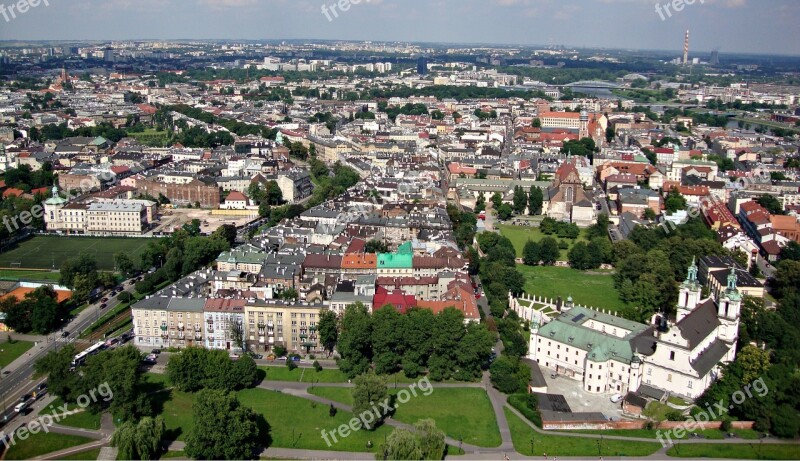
<point x="690" y="384"/>
<point x="672" y="355"/>
<point x="669" y="377"/>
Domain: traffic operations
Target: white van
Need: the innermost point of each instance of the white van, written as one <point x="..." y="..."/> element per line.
<point x="21" y="407"/>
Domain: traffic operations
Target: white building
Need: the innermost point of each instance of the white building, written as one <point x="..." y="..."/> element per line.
<point x="610" y="354"/>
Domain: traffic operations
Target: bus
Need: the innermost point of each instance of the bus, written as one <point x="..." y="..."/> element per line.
<point x="80" y="358"/>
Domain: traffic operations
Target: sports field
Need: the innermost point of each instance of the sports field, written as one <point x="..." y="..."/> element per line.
<point x="46" y="252"/>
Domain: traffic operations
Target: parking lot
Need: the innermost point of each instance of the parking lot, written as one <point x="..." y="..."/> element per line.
<point x="580" y="400"/>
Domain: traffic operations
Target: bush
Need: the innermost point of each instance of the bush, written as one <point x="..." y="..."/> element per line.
<point x="562" y="245"/>
<point x="726" y="425"/>
<point x="291" y="365"/>
<point x="674" y="415"/>
<point x="528" y="405"/>
<point x="332" y="411"/>
<point x="317" y="366"/>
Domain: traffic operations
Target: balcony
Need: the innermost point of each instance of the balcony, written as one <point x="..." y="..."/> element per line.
<point x="198" y="337"/>
<point x="181" y="327"/>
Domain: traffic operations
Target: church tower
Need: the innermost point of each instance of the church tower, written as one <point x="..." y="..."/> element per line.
<point x="689" y="294"/>
<point x="729" y="306"/>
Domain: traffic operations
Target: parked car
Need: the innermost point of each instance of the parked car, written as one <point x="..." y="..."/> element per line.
<point x="104" y="299"/>
<point x="282" y="358"/>
<point x="296" y="358"/>
<point x="103" y="306"/>
<point x="616" y="398"/>
<point x="65" y="334"/>
<point x="41" y="386"/>
<point x="156" y="351"/>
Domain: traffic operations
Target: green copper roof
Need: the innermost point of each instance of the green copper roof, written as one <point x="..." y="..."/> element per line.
<point x="395" y="261"/>
<point x="569" y="329"/>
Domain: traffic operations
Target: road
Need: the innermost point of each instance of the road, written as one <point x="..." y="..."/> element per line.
<point x="19" y="381"/>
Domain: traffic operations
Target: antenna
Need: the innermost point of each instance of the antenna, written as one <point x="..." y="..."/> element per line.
<point x="686" y="49"/>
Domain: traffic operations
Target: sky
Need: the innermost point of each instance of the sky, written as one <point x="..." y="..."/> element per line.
<point x="747" y="26"/>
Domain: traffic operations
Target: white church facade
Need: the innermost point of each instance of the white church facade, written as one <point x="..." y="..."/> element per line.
<point x="610" y="354"/>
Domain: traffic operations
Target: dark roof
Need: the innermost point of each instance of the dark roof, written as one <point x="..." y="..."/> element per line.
<point x="635" y="400"/>
<point x="700" y="323"/>
<point x="652" y="392"/>
<point x="645" y="343"/>
<point x="743" y="278"/>
<point x="710" y="357"/>
<point x="537" y="378"/>
<point x="712" y="261"/>
<point x="553" y="416"/>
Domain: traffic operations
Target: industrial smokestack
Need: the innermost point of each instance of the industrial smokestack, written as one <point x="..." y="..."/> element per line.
<point x="686" y="49"/>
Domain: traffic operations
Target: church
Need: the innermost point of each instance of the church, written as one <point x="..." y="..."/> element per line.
<point x="610" y="354"/>
<point x="566" y="199"/>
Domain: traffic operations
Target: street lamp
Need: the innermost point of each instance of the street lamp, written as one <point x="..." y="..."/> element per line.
<point x="532" y="443"/>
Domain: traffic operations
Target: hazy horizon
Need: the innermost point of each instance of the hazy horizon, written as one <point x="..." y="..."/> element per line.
<point x="773" y="29"/>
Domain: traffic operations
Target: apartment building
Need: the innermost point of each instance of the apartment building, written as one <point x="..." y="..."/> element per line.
<point x="275" y="323"/>
<point x="161" y="321"/>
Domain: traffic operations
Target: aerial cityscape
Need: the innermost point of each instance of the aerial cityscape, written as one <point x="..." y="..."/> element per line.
<point x="412" y="230"/>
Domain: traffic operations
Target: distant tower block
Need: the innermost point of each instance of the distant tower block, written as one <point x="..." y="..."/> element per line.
<point x="686" y="49"/>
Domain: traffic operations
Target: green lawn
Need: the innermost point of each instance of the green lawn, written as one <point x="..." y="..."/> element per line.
<point x="712" y="434"/>
<point x="42" y="443"/>
<point x="46" y="252"/>
<point x="736" y="451"/>
<point x="84" y="455"/>
<point x="47" y="276"/>
<point x="559" y="445"/>
<point x="306" y="375"/>
<point x="11" y="351"/>
<point x="298" y="423"/>
<point x="84" y="419"/>
<point x="473" y="423"/>
<point x="177" y="412"/>
<point x="657" y="410"/>
<point x="519" y="236"/>
<point x="174" y="455"/>
<point x="593" y="289"/>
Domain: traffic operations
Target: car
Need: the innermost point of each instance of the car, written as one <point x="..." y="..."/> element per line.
<point x="65" y="334"/>
<point x="255" y="356"/>
<point x="156" y="351"/>
<point x="41" y="386"/>
<point x="6" y="372"/>
<point x="477" y="295"/>
<point x="282" y="358"/>
<point x="296" y="358"/>
<point x="103" y="306"/>
<point x="25" y="397"/>
<point x="21" y="407"/>
<point x="616" y="398"/>
<point x="104" y="300"/>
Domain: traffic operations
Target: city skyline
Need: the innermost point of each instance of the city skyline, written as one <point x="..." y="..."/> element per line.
<point x="613" y="24"/>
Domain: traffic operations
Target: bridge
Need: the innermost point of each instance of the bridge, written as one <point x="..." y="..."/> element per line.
<point x="595" y="84"/>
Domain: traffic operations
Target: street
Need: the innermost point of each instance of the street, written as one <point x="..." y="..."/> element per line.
<point x="19" y="381"/>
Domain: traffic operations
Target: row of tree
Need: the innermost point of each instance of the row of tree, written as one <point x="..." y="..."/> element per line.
<point x="198" y="368"/>
<point x="412" y="342"/>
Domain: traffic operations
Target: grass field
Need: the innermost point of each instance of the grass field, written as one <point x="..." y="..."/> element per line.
<point x="519" y="236"/>
<point x="474" y="423"/>
<point x="43" y="252"/>
<point x="306" y="375"/>
<point x="593" y="289"/>
<point x="84" y="420"/>
<point x="42" y="443"/>
<point x="48" y="276"/>
<point x="559" y="445"/>
<point x="711" y="434"/>
<point x="735" y="451"/>
<point x="84" y="455"/>
<point x="11" y="351"/>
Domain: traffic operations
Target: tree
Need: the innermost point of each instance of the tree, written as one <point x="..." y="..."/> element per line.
<point x="579" y="257"/>
<point x="505" y="211"/>
<point x="56" y="366"/>
<point x="791" y="251"/>
<point x="119" y="371"/>
<point x="140" y="441"/>
<point x="509" y="376"/>
<point x="328" y="332"/>
<point x="537" y="123"/>
<point x="369" y="391"/>
<point x="401" y="444"/>
<point x="520" y="199"/>
<point x="124" y="263"/>
<point x="535" y="201"/>
<point x="753" y="361"/>
<point x="431" y="439"/>
<point x="387" y="339"/>
<point x="223" y="429"/>
<point x="355" y="345"/>
<point x="376" y="246"/>
<point x="674" y="201"/>
<point x="649" y="214"/>
<point x="497" y="200"/>
<point x="226" y="232"/>
<point x="548" y="251"/>
<point x="530" y="254"/>
<point x="771" y="203"/>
